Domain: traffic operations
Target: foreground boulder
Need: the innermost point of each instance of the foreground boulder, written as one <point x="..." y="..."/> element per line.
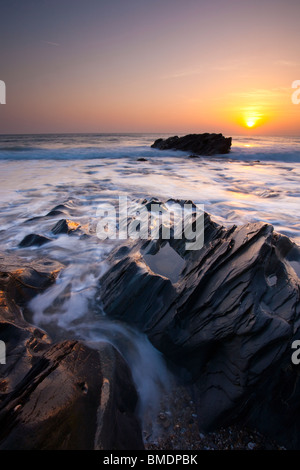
<point x="66" y="395"/>
<point x="33" y="240"/>
<point x="199" y="144"/>
<point x="227" y="321"/>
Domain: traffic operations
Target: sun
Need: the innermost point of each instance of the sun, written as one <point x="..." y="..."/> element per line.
<point x="252" y="118"/>
<point x="250" y="122"/>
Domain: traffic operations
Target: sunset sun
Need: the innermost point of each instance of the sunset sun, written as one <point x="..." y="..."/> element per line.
<point x="252" y="117"/>
<point x="250" y="122"/>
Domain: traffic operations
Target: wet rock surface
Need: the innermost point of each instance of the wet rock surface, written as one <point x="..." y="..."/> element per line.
<point x="64" y="395"/>
<point x="176" y="427"/>
<point x="33" y="240"/>
<point x="227" y="323"/>
<point x="65" y="226"/>
<point x="198" y="144"/>
<point x="223" y="316"/>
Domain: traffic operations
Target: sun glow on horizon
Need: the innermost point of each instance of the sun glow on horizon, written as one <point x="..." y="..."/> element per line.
<point x="252" y="117"/>
<point x="250" y="122"/>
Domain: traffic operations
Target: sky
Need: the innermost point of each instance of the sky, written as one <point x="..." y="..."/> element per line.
<point x="150" y="66"/>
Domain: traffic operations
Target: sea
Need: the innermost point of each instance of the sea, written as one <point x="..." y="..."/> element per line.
<point x="259" y="180"/>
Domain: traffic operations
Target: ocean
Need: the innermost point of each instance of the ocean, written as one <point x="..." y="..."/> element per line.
<point x="259" y="180"/>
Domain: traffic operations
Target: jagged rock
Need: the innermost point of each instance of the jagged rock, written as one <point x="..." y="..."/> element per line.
<point x="199" y="144"/>
<point x="73" y="397"/>
<point x="229" y="321"/>
<point x="66" y="395"/>
<point x="65" y="226"/>
<point x="33" y="240"/>
<point x="22" y="281"/>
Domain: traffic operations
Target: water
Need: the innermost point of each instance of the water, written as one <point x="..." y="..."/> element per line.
<point x="258" y="180"/>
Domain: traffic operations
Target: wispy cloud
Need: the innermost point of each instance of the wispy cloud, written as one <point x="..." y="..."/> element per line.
<point x="189" y="72"/>
<point x="260" y="99"/>
<point x="51" y="43"/>
<point x="181" y="74"/>
<point x="286" y="63"/>
<point x="261" y="94"/>
<point x="228" y="66"/>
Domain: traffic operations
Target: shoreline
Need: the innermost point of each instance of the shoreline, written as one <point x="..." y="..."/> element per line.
<point x="177" y="429"/>
<point x="215" y="324"/>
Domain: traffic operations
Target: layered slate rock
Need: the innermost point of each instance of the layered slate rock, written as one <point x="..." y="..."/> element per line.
<point x="33" y="240"/>
<point x="65" y="226"/>
<point x="228" y="321"/>
<point x="66" y="395"/>
<point x="199" y="144"/>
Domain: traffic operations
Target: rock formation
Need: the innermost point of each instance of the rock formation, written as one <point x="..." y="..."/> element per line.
<point x="228" y="321"/>
<point x="66" y="395"/>
<point x="199" y="144"/>
<point x="225" y="317"/>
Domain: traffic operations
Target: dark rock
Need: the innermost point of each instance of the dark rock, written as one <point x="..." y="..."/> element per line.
<point x="141" y="159"/>
<point x="199" y="144"/>
<point x="72" y="397"/>
<point x="67" y="395"/>
<point x="33" y="240"/>
<point x="228" y="321"/>
<point x="67" y="210"/>
<point x="54" y="213"/>
<point x="21" y="281"/>
<point x="65" y="226"/>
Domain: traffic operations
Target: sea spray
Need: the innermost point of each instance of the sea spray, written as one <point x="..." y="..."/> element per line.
<point x="148" y="368"/>
<point x="71" y="308"/>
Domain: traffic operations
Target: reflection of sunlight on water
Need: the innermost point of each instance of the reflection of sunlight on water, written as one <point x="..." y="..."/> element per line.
<point x="240" y="195"/>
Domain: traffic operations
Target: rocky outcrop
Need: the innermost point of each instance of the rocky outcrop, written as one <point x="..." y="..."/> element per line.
<point x="228" y="321"/>
<point x="33" y="240"/>
<point x="65" y="226"/>
<point x="64" y="395"/>
<point x="199" y="144"/>
<point x="225" y="317"/>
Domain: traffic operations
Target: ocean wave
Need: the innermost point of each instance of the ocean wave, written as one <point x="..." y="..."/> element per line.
<point x="133" y="146"/>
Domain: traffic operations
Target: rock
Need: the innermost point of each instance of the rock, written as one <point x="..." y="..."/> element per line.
<point x="65" y="226"/>
<point x="66" y="395"/>
<point x="73" y="397"/>
<point x="251" y="445"/>
<point x="33" y="240"/>
<point x="198" y="144"/>
<point x="228" y="321"/>
<point x="20" y="281"/>
<point x="141" y="159"/>
<point x="54" y="213"/>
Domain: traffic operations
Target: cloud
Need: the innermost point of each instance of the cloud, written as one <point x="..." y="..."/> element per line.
<point x="220" y="67"/>
<point x="51" y="43"/>
<point x="286" y="63"/>
<point x="181" y="74"/>
<point x="260" y="94"/>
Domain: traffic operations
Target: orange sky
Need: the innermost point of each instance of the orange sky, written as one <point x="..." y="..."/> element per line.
<point x="159" y="66"/>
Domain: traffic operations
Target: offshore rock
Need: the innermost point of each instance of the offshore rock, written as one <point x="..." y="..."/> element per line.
<point x="198" y="144"/>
